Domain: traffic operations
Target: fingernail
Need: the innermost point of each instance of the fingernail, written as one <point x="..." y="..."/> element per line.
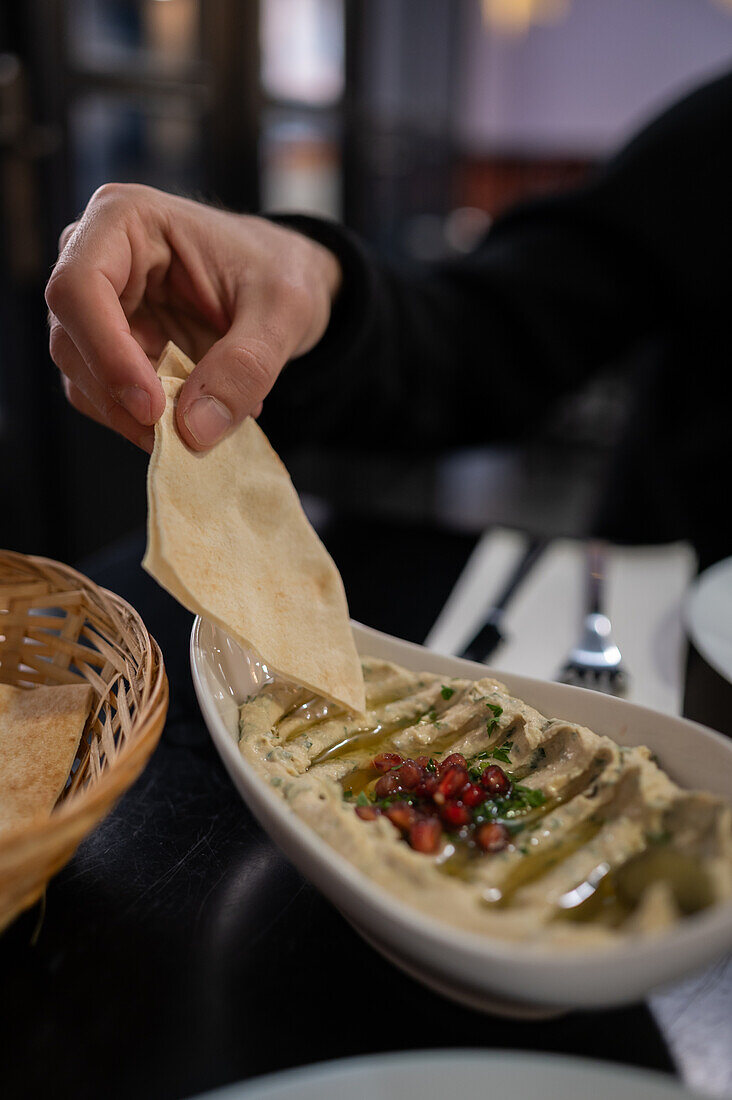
<point x="207" y="420"/>
<point x="137" y="402"/>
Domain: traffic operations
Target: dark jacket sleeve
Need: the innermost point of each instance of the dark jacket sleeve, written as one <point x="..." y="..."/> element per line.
<point x="481" y="347"/>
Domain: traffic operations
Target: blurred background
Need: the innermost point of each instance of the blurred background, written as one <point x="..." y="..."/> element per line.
<point x="413" y="121"/>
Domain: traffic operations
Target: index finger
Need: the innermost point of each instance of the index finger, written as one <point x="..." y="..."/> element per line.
<point x="84" y="294"/>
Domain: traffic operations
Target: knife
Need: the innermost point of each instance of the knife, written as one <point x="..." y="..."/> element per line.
<point x="490" y="635"/>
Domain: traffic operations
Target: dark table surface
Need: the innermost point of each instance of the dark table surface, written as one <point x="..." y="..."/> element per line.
<point x="180" y="951"/>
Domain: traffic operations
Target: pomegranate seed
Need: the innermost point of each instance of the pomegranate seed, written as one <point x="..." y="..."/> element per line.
<point x="455" y="759"/>
<point x="424" y="836"/>
<point x="472" y="794"/>
<point x="386" y="785"/>
<point x="428" y="785"/>
<point x="456" y="814"/>
<point x="422" y="761"/>
<point x="430" y="809"/>
<point x="367" y="813"/>
<point x="495" y="780"/>
<point x="401" y="814"/>
<point x="409" y="775"/>
<point x="451" y="781"/>
<point x="386" y="760"/>
<point x="492" y="837"/>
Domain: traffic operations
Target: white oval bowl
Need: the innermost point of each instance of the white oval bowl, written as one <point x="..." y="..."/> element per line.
<point x="433" y="1075"/>
<point x="481" y="971"/>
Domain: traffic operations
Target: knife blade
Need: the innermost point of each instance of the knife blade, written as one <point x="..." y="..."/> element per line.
<point x="490" y="635"/>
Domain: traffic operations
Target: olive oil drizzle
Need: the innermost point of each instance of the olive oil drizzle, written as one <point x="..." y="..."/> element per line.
<point x="535" y="865"/>
<point x="610" y="894"/>
<point x="373" y="738"/>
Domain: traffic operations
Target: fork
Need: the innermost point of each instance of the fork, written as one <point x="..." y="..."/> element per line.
<point x="595" y="661"/>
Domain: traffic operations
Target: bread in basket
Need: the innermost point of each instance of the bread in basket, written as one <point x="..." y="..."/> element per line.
<point x="58" y="627"/>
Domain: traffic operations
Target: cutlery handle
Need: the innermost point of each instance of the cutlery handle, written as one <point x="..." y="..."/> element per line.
<point x="596" y="566"/>
<point x="490" y="636"/>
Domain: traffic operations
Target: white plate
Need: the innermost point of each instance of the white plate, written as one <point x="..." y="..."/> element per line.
<point x="708" y="616"/>
<point x="478" y="970"/>
<point x="433" y="1075"/>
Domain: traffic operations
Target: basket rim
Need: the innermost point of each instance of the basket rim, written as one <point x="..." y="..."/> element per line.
<point x="93" y="800"/>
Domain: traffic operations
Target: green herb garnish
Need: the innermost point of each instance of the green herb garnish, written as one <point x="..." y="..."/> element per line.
<point x="447" y="692"/>
<point x="347" y="796"/>
<point x="498" y="711"/>
<point x="363" y="799"/>
<point x="518" y="803"/>
<point x="532" y="796"/>
<point x="502" y="752"/>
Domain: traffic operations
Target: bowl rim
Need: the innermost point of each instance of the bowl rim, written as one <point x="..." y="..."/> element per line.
<point x="551" y="959"/>
<point x="561" y="1066"/>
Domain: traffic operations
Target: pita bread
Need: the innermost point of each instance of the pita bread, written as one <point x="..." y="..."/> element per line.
<point x="228" y="538"/>
<point x="40" y="729"/>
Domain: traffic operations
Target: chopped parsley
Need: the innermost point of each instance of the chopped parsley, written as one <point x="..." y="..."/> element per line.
<point x="363" y="799"/>
<point x="482" y="759"/>
<point x="518" y="803"/>
<point x="347" y="796"/>
<point x="432" y="715"/>
<point x="502" y="752"/>
<point x="447" y="692"/>
<point x="497" y="711"/>
<point x="532" y="796"/>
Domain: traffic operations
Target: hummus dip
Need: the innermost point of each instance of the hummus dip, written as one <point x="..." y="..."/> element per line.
<point x="475" y="808"/>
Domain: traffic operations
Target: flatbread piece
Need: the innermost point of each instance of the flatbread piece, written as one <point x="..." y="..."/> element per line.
<point x="40" y="730"/>
<point x="228" y="538"/>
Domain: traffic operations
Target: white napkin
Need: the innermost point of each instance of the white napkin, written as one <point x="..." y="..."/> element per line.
<point x="643" y="594"/>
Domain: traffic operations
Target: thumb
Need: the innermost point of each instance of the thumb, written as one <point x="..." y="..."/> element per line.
<point x="229" y="384"/>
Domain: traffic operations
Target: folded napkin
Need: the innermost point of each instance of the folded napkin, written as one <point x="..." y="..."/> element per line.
<point x="643" y="593"/>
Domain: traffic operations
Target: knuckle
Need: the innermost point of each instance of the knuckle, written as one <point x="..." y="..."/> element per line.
<point x="299" y="298"/>
<point x="112" y="193"/>
<point x="66" y="234"/>
<point x="57" y="343"/>
<point x="253" y="368"/>
<point x="74" y="396"/>
<point x="291" y="293"/>
<point x="57" y="290"/>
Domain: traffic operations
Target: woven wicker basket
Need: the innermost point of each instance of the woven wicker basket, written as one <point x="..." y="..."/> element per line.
<point x="57" y="627"/>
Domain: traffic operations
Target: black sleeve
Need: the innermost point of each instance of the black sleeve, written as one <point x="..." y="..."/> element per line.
<point x="480" y="348"/>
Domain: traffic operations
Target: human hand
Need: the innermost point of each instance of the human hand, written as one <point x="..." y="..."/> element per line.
<point x="238" y="294"/>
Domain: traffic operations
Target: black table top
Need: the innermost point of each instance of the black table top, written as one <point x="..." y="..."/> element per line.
<point x="180" y="951"/>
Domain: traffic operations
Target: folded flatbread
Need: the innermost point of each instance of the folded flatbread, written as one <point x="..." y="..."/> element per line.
<point x="40" y="730"/>
<point x="228" y="538"/>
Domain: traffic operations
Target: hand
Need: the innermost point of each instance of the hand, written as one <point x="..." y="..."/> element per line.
<point x="238" y="294"/>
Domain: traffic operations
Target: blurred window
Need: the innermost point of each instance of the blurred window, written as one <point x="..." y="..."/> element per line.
<point x="302" y="43"/>
<point x="127" y="138"/>
<point x="300" y="163"/>
<point x="303" y="80"/>
<point x="109" y="32"/>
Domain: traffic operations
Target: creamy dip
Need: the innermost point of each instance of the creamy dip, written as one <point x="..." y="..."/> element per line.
<point x="596" y="842"/>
